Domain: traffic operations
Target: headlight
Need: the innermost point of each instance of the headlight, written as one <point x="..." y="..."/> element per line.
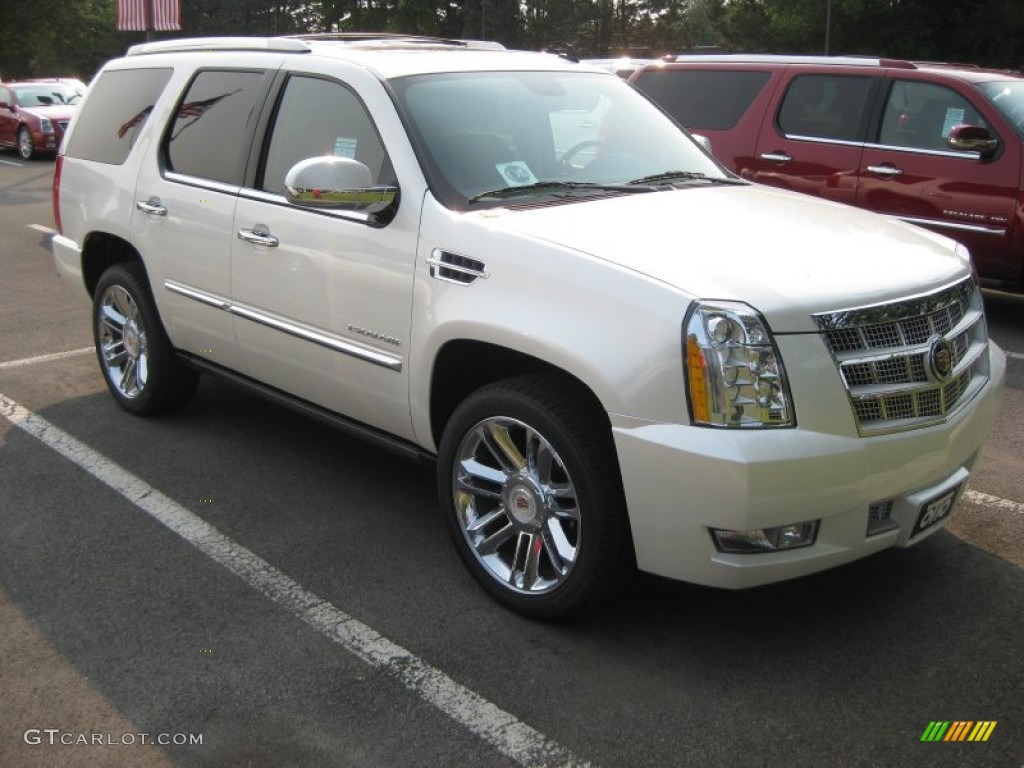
<point x="734" y="373"/>
<point x="45" y="125"/>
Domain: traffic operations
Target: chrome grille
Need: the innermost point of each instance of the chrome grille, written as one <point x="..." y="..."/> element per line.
<point x="891" y="357"/>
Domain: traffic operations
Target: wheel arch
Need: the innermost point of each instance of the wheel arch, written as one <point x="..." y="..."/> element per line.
<point x="101" y="251"/>
<point x="462" y="366"/>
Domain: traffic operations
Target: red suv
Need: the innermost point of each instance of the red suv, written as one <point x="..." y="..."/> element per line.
<point x="937" y="145"/>
<point x="33" y="115"/>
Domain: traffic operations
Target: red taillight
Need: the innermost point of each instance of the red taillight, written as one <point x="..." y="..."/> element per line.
<point x="58" y="166"/>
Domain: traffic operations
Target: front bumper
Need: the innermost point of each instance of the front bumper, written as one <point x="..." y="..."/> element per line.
<point x="680" y="481"/>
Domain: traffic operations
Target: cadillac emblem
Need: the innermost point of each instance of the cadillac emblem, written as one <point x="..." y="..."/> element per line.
<point x="940" y="359"/>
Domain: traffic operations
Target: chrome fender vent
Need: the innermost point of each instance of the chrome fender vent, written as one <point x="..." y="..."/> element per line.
<point x="452" y="268"/>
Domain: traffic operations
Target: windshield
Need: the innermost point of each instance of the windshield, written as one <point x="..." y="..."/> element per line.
<point x="52" y="94"/>
<point x="526" y="135"/>
<point x="1007" y="96"/>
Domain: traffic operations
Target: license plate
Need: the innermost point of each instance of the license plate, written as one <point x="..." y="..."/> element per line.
<point x="935" y="511"/>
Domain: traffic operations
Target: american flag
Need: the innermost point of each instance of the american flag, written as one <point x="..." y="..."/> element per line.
<point x="142" y="15"/>
<point x="139" y="118"/>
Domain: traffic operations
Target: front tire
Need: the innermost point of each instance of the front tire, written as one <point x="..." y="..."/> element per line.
<point x="26" y="146"/>
<point x="530" y="489"/>
<point x="140" y="367"/>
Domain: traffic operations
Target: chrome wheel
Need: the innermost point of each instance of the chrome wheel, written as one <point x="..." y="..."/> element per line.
<point x="517" y="506"/>
<point x="123" y="344"/>
<point x="26" y="148"/>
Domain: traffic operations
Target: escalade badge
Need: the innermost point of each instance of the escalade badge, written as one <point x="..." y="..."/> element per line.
<point x="940" y="359"/>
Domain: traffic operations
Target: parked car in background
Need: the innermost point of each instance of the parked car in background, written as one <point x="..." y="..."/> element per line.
<point x="35" y="114"/>
<point x="937" y="145"/>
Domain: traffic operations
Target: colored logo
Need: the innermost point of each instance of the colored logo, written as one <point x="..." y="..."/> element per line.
<point x="958" y="730"/>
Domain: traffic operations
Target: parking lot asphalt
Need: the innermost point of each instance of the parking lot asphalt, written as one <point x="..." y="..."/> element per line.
<point x="239" y="574"/>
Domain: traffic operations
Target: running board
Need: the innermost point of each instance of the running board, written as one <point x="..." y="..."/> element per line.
<point x="351" y="427"/>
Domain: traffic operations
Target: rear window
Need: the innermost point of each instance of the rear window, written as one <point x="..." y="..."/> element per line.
<point x="825" y="107"/>
<point x="703" y="99"/>
<point x="209" y="135"/>
<point x="118" y="106"/>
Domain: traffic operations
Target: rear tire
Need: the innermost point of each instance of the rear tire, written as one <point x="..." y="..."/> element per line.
<point x="141" y="369"/>
<point x="530" y="489"/>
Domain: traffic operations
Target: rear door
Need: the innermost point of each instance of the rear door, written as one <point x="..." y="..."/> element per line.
<point x="816" y="133"/>
<point x="908" y="171"/>
<point x="185" y="202"/>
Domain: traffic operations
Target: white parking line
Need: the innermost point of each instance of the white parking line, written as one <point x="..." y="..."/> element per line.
<point x="41" y="228"/>
<point x="1015" y="355"/>
<point x="8" y="162"/>
<point x="986" y="500"/>
<point x="45" y="358"/>
<point x="501" y="730"/>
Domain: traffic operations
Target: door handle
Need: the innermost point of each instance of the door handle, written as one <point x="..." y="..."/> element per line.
<point x="258" y="237"/>
<point x="885" y="170"/>
<point x="776" y="157"/>
<point x="152" y="206"/>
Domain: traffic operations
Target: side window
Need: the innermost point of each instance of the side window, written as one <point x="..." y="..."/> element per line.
<point x="119" y="104"/>
<point x="207" y="137"/>
<point x="703" y="99"/>
<point x="317" y="117"/>
<point x="825" y="107"/>
<point x="920" y="115"/>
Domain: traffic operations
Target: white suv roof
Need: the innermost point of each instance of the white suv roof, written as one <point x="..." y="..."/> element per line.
<point x="388" y="55"/>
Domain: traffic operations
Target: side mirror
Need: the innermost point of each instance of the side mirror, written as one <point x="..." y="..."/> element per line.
<point x="972" y="138"/>
<point x="339" y="183"/>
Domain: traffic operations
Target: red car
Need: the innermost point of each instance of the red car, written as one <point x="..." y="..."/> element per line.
<point x="941" y="146"/>
<point x="33" y="115"/>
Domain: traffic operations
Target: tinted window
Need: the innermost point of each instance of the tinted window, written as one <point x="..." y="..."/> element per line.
<point x="703" y="99"/>
<point x="119" y="105"/>
<point x="825" y="106"/>
<point x="341" y="127"/>
<point x="920" y="115"/>
<point x="208" y="136"/>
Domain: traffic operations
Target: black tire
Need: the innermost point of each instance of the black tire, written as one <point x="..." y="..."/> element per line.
<point x="141" y="369"/>
<point x="541" y="523"/>
<point x="26" y="146"/>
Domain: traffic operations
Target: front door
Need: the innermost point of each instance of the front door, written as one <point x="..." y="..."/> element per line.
<point x="911" y="173"/>
<point x="322" y="298"/>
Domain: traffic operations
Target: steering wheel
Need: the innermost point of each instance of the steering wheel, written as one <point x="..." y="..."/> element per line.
<point x="574" y="150"/>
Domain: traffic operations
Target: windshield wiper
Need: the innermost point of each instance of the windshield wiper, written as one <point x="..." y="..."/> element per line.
<point x="670" y="176"/>
<point x="556" y="186"/>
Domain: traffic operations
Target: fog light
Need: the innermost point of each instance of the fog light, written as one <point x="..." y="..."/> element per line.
<point x="782" y="537"/>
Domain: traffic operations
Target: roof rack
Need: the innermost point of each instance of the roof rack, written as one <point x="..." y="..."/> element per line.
<point x="768" y="58"/>
<point x="390" y="39"/>
<point x="275" y="44"/>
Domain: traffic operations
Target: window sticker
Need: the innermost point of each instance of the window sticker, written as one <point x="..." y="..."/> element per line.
<point x="517" y="173"/>
<point x="953" y="117"/>
<point x="344" y="147"/>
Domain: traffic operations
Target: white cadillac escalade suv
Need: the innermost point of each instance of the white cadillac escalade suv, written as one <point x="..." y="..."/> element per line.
<point x="618" y="355"/>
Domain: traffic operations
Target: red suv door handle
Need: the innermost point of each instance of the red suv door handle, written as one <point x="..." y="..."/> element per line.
<point x="885" y="170"/>
<point x="776" y="157"/>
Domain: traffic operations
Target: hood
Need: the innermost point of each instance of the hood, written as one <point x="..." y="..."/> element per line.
<point x="55" y="113"/>
<point x="786" y="254"/>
